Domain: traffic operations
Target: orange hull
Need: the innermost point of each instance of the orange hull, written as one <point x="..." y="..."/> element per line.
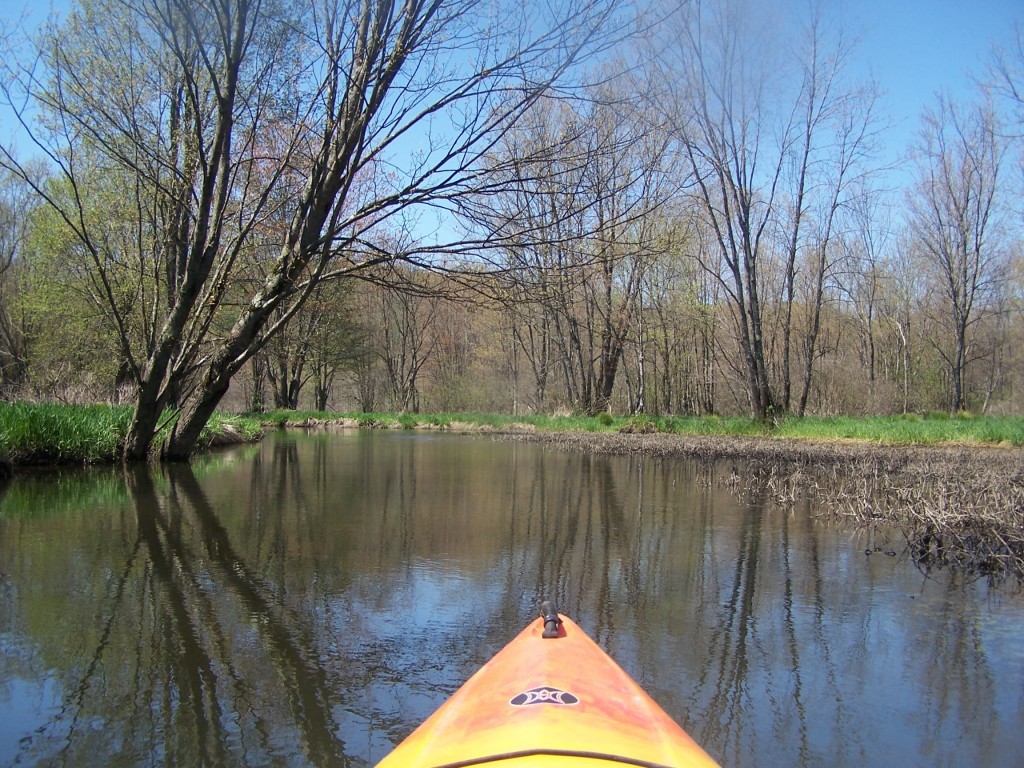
<point x="549" y="702"/>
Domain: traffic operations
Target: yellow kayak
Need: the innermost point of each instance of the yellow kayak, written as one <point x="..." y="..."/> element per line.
<point x="551" y="697"/>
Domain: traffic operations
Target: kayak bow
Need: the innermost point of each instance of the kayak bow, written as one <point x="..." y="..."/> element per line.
<point x="551" y="697"/>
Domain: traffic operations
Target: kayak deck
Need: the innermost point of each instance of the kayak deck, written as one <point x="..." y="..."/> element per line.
<point x="558" y="701"/>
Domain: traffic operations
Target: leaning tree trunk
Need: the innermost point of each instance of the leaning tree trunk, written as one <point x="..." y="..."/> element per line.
<point x="195" y="413"/>
<point x="242" y="342"/>
<point x="150" y="401"/>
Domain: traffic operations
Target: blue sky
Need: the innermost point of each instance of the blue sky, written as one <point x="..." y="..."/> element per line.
<point x="914" y="48"/>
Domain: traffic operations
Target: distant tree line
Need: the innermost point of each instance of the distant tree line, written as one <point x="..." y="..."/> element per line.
<point x="236" y="203"/>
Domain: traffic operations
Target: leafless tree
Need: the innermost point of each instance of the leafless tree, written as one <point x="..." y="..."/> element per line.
<point x="679" y="334"/>
<point x="320" y="340"/>
<point x="583" y="188"/>
<point x="770" y="169"/>
<point x="867" y="251"/>
<point x="200" y="111"/>
<point x="955" y="214"/>
<point x="1007" y="76"/>
<point x="836" y="129"/>
<point x="407" y="335"/>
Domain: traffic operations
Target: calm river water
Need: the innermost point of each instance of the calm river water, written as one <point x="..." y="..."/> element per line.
<point x="309" y="600"/>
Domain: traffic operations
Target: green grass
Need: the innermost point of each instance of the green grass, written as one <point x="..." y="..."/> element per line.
<point x="913" y="429"/>
<point x="935" y="429"/>
<point x="57" y="434"/>
<point x="243" y="427"/>
<point x="50" y="433"/>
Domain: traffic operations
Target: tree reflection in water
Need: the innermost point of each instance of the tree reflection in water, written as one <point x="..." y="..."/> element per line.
<point x="197" y="661"/>
<point x="309" y="602"/>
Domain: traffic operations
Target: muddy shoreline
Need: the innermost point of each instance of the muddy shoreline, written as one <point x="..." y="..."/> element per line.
<point x="773" y="449"/>
<point x="957" y="506"/>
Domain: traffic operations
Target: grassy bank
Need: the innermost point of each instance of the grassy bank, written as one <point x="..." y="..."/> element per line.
<point x="69" y="434"/>
<point x="956" y="505"/>
<point x="911" y="430"/>
<point x="62" y="434"/>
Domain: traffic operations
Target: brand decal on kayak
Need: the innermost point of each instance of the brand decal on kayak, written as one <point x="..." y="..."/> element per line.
<point x="543" y="695"/>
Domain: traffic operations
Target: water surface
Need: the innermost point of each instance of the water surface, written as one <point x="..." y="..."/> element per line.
<point x="309" y="600"/>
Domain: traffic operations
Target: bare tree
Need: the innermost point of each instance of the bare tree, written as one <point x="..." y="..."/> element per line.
<point x="339" y="340"/>
<point x="577" y="209"/>
<point x="539" y="209"/>
<point x="679" y="335"/>
<point x="836" y="132"/>
<point x="377" y="107"/>
<point x="864" y="274"/>
<point x="407" y="335"/>
<point x="720" y="106"/>
<point x="1007" y="76"/>
<point x="770" y="169"/>
<point x="955" y="220"/>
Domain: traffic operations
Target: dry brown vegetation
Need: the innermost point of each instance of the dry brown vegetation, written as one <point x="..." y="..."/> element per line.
<point x="959" y="507"/>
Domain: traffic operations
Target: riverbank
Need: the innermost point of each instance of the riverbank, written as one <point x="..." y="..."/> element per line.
<point x="903" y="430"/>
<point x="66" y="434"/>
<point x="34" y="434"/>
<point x="953" y="487"/>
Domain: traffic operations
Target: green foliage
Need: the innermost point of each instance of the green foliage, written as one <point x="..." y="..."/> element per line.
<point x="62" y="433"/>
<point x="71" y="344"/>
<point x="50" y="433"/>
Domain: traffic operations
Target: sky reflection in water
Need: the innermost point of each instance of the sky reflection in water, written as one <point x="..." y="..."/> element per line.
<point x="310" y="600"/>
